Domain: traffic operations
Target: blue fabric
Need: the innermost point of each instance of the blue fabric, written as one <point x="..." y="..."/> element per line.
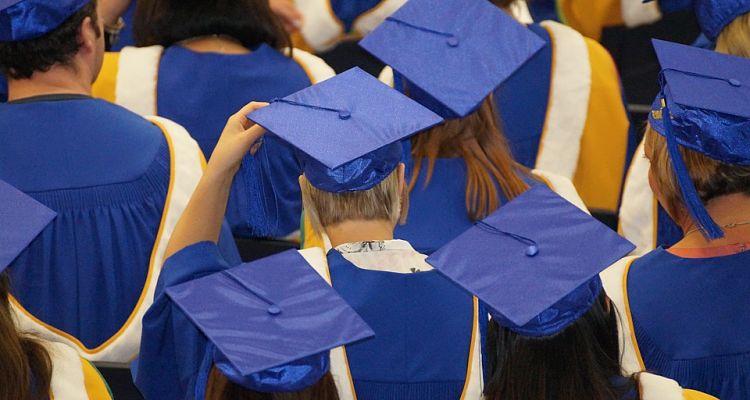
<point x="30" y="19"/>
<point x="106" y="174"/>
<point x="443" y="200"/>
<point x="423" y="326"/>
<point x="126" y="34"/>
<point x="522" y="102"/>
<point x="349" y="10"/>
<point x="3" y="89"/>
<point x="715" y="15"/>
<point x="668" y="233"/>
<point x="544" y="10"/>
<point x="172" y="347"/>
<point x="234" y="80"/>
<point x="691" y="322"/>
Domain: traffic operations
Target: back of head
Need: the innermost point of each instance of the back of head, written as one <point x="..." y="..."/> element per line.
<point x="21" y="59"/>
<point x="166" y="22"/>
<point x="735" y="38"/>
<point x="26" y="366"/>
<point x="383" y="202"/>
<point x="577" y="363"/>
<point x="479" y="141"/>
<point x="220" y="388"/>
<point x="711" y="178"/>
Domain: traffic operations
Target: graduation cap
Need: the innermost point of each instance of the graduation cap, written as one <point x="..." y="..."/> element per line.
<point x="453" y="53"/>
<point x="29" y="19"/>
<point x="535" y="262"/>
<point x="271" y="322"/>
<point x="703" y="107"/>
<point x="347" y="129"/>
<point x="715" y="15"/>
<point x="22" y="219"/>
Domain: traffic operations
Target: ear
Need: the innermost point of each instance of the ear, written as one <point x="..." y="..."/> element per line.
<point x="87" y="36"/>
<point x="401" y="177"/>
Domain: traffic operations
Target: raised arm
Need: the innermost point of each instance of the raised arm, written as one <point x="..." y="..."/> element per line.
<point x="201" y="221"/>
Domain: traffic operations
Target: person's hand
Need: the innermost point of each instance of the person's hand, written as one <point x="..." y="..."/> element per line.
<point x="288" y="14"/>
<point x="111" y="10"/>
<point x="240" y="137"/>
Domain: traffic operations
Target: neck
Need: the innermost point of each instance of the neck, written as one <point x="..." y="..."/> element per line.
<point x="58" y="80"/>
<point x="359" y="231"/>
<point x="221" y="44"/>
<point x="726" y="211"/>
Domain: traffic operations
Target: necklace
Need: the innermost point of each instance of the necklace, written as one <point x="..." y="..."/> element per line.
<point x="728" y="226"/>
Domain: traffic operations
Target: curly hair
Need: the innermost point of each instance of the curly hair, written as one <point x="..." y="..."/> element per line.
<point x="19" y="60"/>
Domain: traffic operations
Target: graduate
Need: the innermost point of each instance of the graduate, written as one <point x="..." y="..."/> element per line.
<point x="462" y="170"/>
<point x="727" y="25"/>
<point x="564" y="112"/>
<point x="201" y="62"/>
<point x="553" y="333"/>
<point x="34" y="368"/>
<point x="256" y="331"/>
<point x="683" y="308"/>
<point x="118" y="183"/>
<point x="591" y="18"/>
<point x="426" y="328"/>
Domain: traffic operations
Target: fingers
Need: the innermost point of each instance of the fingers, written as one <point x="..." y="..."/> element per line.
<point x="241" y="116"/>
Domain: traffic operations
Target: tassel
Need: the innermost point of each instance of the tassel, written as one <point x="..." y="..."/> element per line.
<point x="263" y="210"/>
<point x="697" y="210"/>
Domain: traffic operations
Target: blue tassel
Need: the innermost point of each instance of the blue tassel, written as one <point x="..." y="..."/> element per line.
<point x="697" y="210"/>
<point x="263" y="208"/>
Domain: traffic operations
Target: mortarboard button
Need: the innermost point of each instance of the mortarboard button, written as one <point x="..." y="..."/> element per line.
<point x="372" y="121"/>
<point x="532" y="251"/>
<point x="453" y="41"/>
<point x="735" y="82"/>
<point x="274" y="310"/>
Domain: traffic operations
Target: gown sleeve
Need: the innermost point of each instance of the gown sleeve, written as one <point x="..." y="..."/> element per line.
<point x="171" y="346"/>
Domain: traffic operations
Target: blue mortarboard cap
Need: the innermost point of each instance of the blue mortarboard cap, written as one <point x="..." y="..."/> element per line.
<point x="534" y="262"/>
<point x="705" y="94"/>
<point x="715" y="15"/>
<point x="21" y="220"/>
<point x="453" y="52"/>
<point x="271" y="322"/>
<point x="348" y="129"/>
<point x="30" y="19"/>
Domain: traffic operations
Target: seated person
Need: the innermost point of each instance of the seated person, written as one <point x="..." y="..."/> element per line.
<point x="200" y="61"/>
<point x="117" y="181"/>
<point x="727" y="26"/>
<point x="462" y="170"/>
<point x="683" y="311"/>
<point x="34" y="368"/>
<point x="553" y="333"/>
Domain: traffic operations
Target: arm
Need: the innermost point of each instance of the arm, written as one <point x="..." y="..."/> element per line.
<point x="201" y="221"/>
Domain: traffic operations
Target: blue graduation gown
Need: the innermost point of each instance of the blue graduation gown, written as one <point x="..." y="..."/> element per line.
<point x="423" y="326"/>
<point x="230" y="82"/>
<point x="106" y="173"/>
<point x="690" y="320"/>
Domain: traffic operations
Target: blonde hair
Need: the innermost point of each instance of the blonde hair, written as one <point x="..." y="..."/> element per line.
<point x="735" y="38"/>
<point x="385" y="201"/>
<point x="711" y="178"/>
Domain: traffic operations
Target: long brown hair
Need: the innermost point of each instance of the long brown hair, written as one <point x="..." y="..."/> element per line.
<point x="735" y="38"/>
<point x="479" y="140"/>
<point x="221" y="388"/>
<point x="166" y="22"/>
<point x="25" y="365"/>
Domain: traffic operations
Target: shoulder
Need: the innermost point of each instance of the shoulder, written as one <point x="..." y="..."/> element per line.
<point x="655" y="387"/>
<point x="73" y="377"/>
<point x="315" y="68"/>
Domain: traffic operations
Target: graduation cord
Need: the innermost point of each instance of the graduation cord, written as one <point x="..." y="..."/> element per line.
<point x="732" y="81"/>
<point x="533" y="247"/>
<point x="343" y="114"/>
<point x="272" y="309"/>
<point x="452" y="39"/>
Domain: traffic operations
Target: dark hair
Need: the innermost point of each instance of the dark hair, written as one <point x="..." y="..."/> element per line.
<point x="220" y="388"/>
<point x="502" y="3"/>
<point x="19" y="60"/>
<point x="166" y="22"/>
<point x="26" y="370"/>
<point x="578" y="363"/>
